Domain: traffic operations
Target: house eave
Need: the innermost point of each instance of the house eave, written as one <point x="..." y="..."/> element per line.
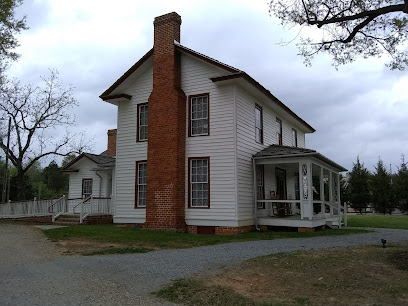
<point x="236" y="77"/>
<point x="115" y="99"/>
<point x="127" y="74"/>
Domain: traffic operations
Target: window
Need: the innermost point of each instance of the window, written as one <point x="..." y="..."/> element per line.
<point x="260" y="187"/>
<point x="199" y="182"/>
<point x="141" y="182"/>
<point x="294" y="138"/>
<point x="86" y="188"/>
<point x="258" y="124"/>
<point x="199" y="114"/>
<point x="279" y="131"/>
<point x="142" y="121"/>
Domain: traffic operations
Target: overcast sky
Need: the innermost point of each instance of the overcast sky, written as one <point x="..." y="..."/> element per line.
<point x="359" y="110"/>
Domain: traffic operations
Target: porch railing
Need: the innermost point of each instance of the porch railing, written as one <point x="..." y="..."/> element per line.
<point x="58" y="207"/>
<point x="25" y="208"/>
<point x="335" y="209"/>
<point x="92" y="205"/>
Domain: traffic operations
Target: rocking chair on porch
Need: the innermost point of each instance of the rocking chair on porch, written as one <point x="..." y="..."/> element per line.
<point x="280" y="209"/>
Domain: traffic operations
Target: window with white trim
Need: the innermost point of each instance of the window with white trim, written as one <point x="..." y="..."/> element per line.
<point x="199" y="191"/>
<point x="294" y="138"/>
<point x="279" y="131"/>
<point x="258" y="124"/>
<point x="87" y="187"/>
<point x="141" y="183"/>
<point x="199" y="109"/>
<point x="142" y="121"/>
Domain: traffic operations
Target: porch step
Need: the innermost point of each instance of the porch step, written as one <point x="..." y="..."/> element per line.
<point x="69" y="220"/>
<point x="334" y="224"/>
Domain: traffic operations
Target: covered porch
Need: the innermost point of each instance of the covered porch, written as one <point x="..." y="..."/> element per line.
<point x="296" y="187"/>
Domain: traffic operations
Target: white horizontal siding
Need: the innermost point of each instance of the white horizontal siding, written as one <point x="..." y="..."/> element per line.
<point x="85" y="167"/>
<point x="247" y="146"/>
<point x="128" y="151"/>
<point x="219" y="145"/>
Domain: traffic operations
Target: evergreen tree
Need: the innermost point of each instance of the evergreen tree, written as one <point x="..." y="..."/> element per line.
<point x="54" y="179"/>
<point x="358" y="187"/>
<point x="401" y="186"/>
<point x="381" y="187"/>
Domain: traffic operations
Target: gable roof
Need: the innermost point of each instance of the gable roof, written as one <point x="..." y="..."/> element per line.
<point x="101" y="160"/>
<point x="234" y="74"/>
<point x="105" y="95"/>
<point x="277" y="151"/>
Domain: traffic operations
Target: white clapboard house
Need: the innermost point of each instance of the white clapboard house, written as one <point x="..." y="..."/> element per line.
<point x="202" y="147"/>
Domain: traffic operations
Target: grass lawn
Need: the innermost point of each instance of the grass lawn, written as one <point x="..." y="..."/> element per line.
<point x="110" y="237"/>
<point x="385" y="221"/>
<point x="351" y="276"/>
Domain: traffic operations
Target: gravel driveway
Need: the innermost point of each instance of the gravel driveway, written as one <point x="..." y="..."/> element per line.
<point x="32" y="272"/>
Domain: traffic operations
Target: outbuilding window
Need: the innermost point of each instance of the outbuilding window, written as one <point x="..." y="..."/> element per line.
<point x="87" y="187"/>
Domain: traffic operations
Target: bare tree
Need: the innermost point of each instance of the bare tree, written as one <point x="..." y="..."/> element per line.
<point x="38" y="114"/>
<point x="351" y="28"/>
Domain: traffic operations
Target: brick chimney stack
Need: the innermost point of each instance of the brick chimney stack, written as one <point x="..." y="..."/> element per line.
<point x="167" y="131"/>
<point x="111" y="151"/>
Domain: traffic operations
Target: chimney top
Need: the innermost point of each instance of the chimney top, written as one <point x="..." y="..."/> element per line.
<point x="167" y="18"/>
<point x="168" y="26"/>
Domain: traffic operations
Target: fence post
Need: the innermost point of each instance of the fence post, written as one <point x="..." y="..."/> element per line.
<point x="33" y="210"/>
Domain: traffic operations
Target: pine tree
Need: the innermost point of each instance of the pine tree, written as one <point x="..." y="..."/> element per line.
<point x="358" y="188"/>
<point x="401" y="186"/>
<point x="382" y="192"/>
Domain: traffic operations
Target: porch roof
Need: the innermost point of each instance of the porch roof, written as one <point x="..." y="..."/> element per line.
<point x="276" y="151"/>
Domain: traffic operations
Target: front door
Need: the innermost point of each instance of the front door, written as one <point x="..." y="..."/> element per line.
<point x="280" y="184"/>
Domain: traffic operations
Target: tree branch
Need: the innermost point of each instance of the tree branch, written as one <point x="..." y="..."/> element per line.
<point x="372" y="13"/>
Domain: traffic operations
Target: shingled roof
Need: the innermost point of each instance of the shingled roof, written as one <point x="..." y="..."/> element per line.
<point x="101" y="160"/>
<point x="276" y="151"/>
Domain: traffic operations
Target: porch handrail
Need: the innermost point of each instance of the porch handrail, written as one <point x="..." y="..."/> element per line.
<point x="51" y="207"/>
<point x="80" y="204"/>
<point x="341" y="208"/>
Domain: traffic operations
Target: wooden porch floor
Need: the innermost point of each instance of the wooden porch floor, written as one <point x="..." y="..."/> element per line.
<point x="295" y="221"/>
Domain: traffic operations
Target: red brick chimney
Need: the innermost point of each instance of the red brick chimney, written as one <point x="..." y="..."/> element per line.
<point x="167" y="131"/>
<point x="111" y="151"/>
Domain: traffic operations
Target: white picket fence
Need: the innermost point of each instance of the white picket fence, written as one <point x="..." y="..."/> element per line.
<point x="56" y="207"/>
<point x="25" y="208"/>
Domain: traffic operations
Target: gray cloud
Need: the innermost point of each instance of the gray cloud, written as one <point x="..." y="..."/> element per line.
<point x="356" y="110"/>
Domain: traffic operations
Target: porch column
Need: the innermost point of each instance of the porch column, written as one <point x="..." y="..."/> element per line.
<point x="306" y="198"/>
<point x="337" y="195"/>
<point x="322" y="206"/>
<point x="331" y="193"/>
<point x="255" y="193"/>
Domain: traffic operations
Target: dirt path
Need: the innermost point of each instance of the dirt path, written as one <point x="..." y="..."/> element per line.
<point x="21" y="244"/>
<point x="33" y="272"/>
